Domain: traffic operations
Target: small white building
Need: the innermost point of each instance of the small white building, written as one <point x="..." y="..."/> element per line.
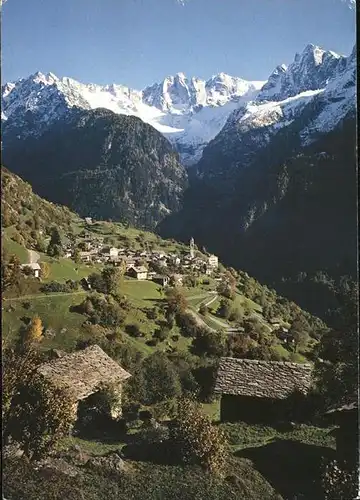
<point x="213" y="261"/>
<point x="113" y="252"/>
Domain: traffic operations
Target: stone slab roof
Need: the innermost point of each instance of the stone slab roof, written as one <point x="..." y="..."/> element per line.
<point x="83" y="372"/>
<point x="140" y="269"/>
<point x="264" y="379"/>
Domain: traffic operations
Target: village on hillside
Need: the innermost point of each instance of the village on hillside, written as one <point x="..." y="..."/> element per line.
<point x="164" y="268"/>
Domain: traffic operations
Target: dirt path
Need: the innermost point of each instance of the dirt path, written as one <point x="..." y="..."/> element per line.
<point x="222" y="325"/>
<point x="34" y="257"/>
<point x="199" y="320"/>
<point x="43" y="296"/>
<point x="211" y="301"/>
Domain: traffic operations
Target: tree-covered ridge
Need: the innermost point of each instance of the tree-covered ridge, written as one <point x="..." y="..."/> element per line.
<point x="27" y="215"/>
<point x="106" y="166"/>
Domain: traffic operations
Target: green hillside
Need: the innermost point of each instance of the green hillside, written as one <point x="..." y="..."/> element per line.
<point x="152" y="331"/>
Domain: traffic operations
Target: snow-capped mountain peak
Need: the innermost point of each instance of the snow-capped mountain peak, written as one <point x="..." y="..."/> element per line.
<point x="190" y="112"/>
<point x="310" y="70"/>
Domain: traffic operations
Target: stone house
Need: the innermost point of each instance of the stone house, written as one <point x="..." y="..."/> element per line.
<point x="116" y="261"/>
<point x="86" y="372"/>
<point x="259" y="391"/>
<point x="33" y="269"/>
<point x="88" y="220"/>
<point x="140" y="273"/>
<point x="129" y="262"/>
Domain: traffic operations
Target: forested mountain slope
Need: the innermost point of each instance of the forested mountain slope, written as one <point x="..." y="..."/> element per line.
<point x="101" y="165"/>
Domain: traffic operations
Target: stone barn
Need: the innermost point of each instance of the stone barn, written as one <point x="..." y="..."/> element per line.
<point x="260" y="391"/>
<point x="85" y="373"/>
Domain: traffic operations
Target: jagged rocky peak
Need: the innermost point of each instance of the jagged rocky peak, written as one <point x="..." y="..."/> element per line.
<point x="222" y="88"/>
<point x="179" y="93"/>
<point x="174" y="93"/>
<point x="310" y="70"/>
<point x="47" y="79"/>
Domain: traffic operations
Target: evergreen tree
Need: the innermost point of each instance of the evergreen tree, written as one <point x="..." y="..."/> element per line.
<point x="55" y="248"/>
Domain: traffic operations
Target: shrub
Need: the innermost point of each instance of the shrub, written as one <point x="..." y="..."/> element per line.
<point x="161" y="381"/>
<point x="134" y="330"/>
<point x="152" y="342"/>
<point x="104" y="311"/>
<point x="55" y="287"/>
<point x="152" y="435"/>
<point x="151" y="314"/>
<point x="195" y="440"/>
<point x="338" y="481"/>
<point x="209" y="342"/>
<point x="188" y="324"/>
<point x="224" y="309"/>
<point x="161" y="334"/>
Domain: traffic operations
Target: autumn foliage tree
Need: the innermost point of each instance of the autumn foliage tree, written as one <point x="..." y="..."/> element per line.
<point x="196" y="440"/>
<point x="34" y="330"/>
<point x="45" y="269"/>
<point x="175" y="301"/>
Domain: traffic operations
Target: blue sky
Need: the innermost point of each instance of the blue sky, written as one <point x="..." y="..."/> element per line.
<point x="138" y="42"/>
